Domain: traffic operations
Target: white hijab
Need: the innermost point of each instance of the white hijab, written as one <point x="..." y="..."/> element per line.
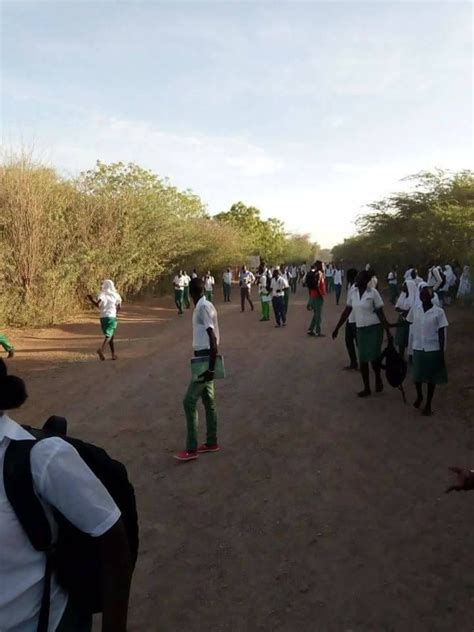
<point x="434" y="298"/>
<point x="108" y="287"/>
<point x="407" y="299"/>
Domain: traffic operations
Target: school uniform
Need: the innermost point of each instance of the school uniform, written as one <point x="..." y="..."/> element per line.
<point x="278" y="287"/>
<point x="5" y="343"/>
<point x="287" y="276"/>
<point x="369" y="327"/>
<point x="427" y="355"/>
<point x="337" y="279"/>
<point x="350" y="337"/>
<point x="204" y="317"/>
<point x="227" y="285"/>
<point x="109" y="301"/>
<point x="245" y="282"/>
<point x="265" y="296"/>
<point x="329" y="278"/>
<point x="209" y="283"/>
<point x="392" y="286"/>
<point x="178" y="283"/>
<point x="186" y="301"/>
<point x="316" y="303"/>
<point x="405" y="302"/>
<point x="62" y="481"/>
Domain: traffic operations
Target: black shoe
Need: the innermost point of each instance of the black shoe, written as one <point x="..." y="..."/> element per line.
<point x="311" y="333"/>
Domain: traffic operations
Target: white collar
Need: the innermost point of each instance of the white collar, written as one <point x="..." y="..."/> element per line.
<point x="201" y="301"/>
<point x="11" y="430"/>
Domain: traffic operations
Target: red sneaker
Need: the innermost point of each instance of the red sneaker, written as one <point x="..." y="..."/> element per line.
<point x="184" y="455"/>
<point x="208" y="448"/>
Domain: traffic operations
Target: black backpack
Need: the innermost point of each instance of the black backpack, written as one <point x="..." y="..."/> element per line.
<point x="310" y="280"/>
<point x="395" y="368"/>
<point x="74" y="557"/>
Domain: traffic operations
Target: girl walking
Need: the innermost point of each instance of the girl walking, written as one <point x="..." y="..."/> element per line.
<point x="264" y="290"/>
<point x="429" y="324"/>
<point x="367" y="305"/>
<point x="109" y="303"/>
<point x="405" y="302"/>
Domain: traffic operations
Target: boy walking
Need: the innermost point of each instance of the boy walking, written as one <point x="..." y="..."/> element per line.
<point x="246" y="279"/>
<point x="205" y="343"/>
<point x="178" y="283"/>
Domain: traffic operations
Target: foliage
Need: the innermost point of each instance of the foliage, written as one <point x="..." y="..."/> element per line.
<point x="432" y="222"/>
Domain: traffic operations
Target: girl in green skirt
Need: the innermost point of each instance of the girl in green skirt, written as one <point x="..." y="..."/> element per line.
<point x="367" y="305"/>
<point x="429" y="324"/>
<point x="405" y="302"/>
<point x="109" y="302"/>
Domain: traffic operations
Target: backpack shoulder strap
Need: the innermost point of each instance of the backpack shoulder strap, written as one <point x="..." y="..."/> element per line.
<point x="20" y="492"/>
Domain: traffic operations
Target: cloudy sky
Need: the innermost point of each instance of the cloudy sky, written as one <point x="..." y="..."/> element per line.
<point x="307" y="110"/>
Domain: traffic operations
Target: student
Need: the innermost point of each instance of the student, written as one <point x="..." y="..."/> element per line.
<point x="278" y="285"/>
<point x="450" y="285"/>
<point x="317" y="291"/>
<point x="286" y="274"/>
<point x="293" y="278"/>
<point x="205" y="343"/>
<point x="337" y="279"/>
<point x="246" y="278"/>
<point x="109" y="303"/>
<point x="227" y="284"/>
<point x="405" y="302"/>
<point x="464" y="289"/>
<point x="408" y="272"/>
<point x="65" y="484"/>
<point x="187" y="280"/>
<point x="178" y="284"/>
<point x="7" y="345"/>
<point x="371" y="322"/>
<point x="429" y="342"/>
<point x="264" y="290"/>
<point x="328" y="274"/>
<point x="209" y="283"/>
<point x="392" y="284"/>
<point x="303" y="272"/>
<point x="194" y="274"/>
<point x="351" y="328"/>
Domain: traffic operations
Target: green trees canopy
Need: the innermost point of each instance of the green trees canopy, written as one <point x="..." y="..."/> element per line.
<point x="432" y="221"/>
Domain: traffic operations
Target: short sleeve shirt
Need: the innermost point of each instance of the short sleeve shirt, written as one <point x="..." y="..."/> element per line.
<point x="425" y="327"/>
<point x="204" y="317"/>
<point x="108" y="304"/>
<point x="364" y="306"/>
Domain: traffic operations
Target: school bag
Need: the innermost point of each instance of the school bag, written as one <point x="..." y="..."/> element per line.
<point x="310" y="280"/>
<point x="395" y="368"/>
<point x="75" y="556"/>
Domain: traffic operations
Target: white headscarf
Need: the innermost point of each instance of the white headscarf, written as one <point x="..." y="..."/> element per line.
<point x="108" y="287"/>
<point x="450" y="276"/>
<point x="434" y="298"/>
<point x="407" y="299"/>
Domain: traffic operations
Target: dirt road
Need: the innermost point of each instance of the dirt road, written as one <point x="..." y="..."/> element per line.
<point x="323" y="512"/>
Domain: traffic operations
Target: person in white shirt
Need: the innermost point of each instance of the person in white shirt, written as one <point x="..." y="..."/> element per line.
<point x="209" y="283"/>
<point x="408" y="272"/>
<point x="64" y="484"/>
<point x="227" y="284"/>
<point x="246" y="279"/>
<point x="351" y="328"/>
<point x="109" y="303"/>
<point x="392" y="279"/>
<point x="264" y="280"/>
<point x="328" y="275"/>
<point x="187" y="280"/>
<point x="435" y="280"/>
<point x="367" y="305"/>
<point x="405" y="302"/>
<point x="464" y="289"/>
<point x="303" y="272"/>
<point x="338" y="277"/>
<point x="205" y="343"/>
<point x="286" y="274"/>
<point x="178" y="284"/>
<point x="429" y="341"/>
<point x="293" y="280"/>
<point x="194" y="274"/>
<point x="278" y="285"/>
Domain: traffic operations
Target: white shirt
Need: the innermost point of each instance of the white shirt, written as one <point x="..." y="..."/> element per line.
<point x="329" y="271"/>
<point x="434" y="278"/>
<point x="407" y="274"/>
<point x="108" y="305"/>
<point x="425" y="326"/>
<point x="194" y="275"/>
<point x="186" y="280"/>
<point x="337" y="277"/>
<point x="61" y="479"/>
<point x="364" y="306"/>
<point x="227" y="277"/>
<point x="209" y="283"/>
<point x="352" y="317"/>
<point x="246" y="279"/>
<point x="392" y="277"/>
<point x="204" y="316"/>
<point x="278" y="286"/>
<point x="178" y="282"/>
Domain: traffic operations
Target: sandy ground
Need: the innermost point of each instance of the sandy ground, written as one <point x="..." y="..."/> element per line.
<point x="323" y="512"/>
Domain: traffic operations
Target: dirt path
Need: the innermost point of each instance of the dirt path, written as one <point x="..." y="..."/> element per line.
<point x="323" y="512"/>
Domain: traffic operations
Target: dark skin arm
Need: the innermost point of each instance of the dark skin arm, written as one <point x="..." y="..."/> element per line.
<point x="208" y="375"/>
<point x="344" y="316"/>
<point x="94" y="302"/>
<point x="116" y="578"/>
<point x="442" y="338"/>
<point x="386" y="325"/>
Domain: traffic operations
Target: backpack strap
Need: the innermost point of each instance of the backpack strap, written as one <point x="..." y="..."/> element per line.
<point x="20" y="492"/>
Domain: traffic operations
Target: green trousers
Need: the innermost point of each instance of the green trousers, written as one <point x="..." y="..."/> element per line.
<point x="265" y="310"/>
<point x="287" y="291"/>
<point x="195" y="392"/>
<point x="5" y="343"/>
<point x="210" y="296"/>
<point x="186" y="300"/>
<point x="178" y="299"/>
<point x="317" y="307"/>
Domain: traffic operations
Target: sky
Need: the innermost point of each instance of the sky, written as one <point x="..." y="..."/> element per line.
<point x="306" y="110"/>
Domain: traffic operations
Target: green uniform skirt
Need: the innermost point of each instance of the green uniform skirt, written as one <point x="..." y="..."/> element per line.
<point x="428" y="368"/>
<point x="369" y="342"/>
<point x="402" y="333"/>
<point x="109" y="325"/>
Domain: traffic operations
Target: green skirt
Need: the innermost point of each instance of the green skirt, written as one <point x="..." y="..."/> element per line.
<point x="369" y="342"/>
<point x="109" y="325"/>
<point x="428" y="368"/>
<point x="402" y="333"/>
